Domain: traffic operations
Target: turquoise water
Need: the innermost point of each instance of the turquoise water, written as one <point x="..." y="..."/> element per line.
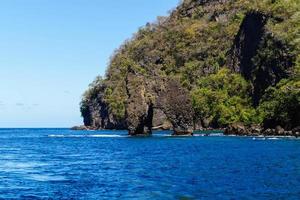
<point x="64" y="164"/>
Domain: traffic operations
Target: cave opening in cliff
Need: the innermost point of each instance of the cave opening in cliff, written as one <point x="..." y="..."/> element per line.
<point x="149" y="119"/>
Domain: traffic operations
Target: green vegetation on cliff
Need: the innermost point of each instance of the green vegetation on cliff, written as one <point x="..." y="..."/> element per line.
<point x="239" y="60"/>
<point x="281" y="103"/>
<point x="223" y="98"/>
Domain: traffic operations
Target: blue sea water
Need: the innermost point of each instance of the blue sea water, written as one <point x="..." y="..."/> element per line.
<point x="65" y="164"/>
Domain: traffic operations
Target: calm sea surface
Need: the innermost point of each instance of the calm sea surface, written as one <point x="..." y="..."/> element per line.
<point x="64" y="164"/>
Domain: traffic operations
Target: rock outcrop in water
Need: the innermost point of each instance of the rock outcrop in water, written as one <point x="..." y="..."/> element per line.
<point x="210" y="64"/>
<point x="176" y="104"/>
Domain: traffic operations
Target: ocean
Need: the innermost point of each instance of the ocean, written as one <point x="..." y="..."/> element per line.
<point x="65" y="164"/>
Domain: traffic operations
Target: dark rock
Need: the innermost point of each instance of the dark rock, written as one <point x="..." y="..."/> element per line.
<point x="296" y="129"/>
<point x="236" y="129"/>
<point x="182" y="133"/>
<point x="246" y="43"/>
<point x="279" y="130"/>
<point x="79" y="128"/>
<point x="139" y="109"/>
<point x="198" y="125"/>
<point x="243" y="130"/>
<point x="160" y="120"/>
<point x="176" y="104"/>
<point x="288" y="133"/>
<point x="255" y="129"/>
<point x="95" y="112"/>
<point x="269" y="132"/>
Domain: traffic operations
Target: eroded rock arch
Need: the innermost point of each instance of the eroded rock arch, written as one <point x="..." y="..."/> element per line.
<point x="166" y="95"/>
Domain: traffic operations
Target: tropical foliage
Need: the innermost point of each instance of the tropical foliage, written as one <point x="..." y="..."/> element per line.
<point x="223" y="99"/>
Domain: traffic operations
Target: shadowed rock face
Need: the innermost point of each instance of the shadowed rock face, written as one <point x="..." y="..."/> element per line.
<point x="160" y="120"/>
<point x="270" y="68"/>
<point x="99" y="118"/>
<point x="259" y="56"/>
<point x="246" y="43"/>
<point x="96" y="114"/>
<point x="177" y="105"/>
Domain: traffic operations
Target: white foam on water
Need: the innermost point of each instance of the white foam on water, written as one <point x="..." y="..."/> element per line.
<point x="208" y="135"/>
<point x="87" y="136"/>
<point x="216" y="134"/>
<point x="199" y="135"/>
<point x="107" y="136"/>
<point x="56" y="136"/>
<point x="161" y="135"/>
<point x="20" y="166"/>
<point x="259" y="138"/>
<point x="273" y="138"/>
<point x="9" y="149"/>
<point x="67" y="136"/>
<point x="45" y="177"/>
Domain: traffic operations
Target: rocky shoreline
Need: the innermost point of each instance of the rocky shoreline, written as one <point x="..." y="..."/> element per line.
<point x="239" y="129"/>
<point x="236" y="129"/>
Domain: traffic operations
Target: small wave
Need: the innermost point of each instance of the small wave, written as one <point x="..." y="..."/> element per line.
<point x="108" y="136"/>
<point x="56" y="136"/>
<point x="266" y="138"/>
<point x="86" y="136"/>
<point x="209" y="135"/>
<point x="9" y="149"/>
<point x="21" y="167"/>
<point x="273" y="138"/>
<point x="162" y="135"/>
<point x="45" y="178"/>
<point x="199" y="135"/>
<point x="259" y="138"/>
<point x="216" y="134"/>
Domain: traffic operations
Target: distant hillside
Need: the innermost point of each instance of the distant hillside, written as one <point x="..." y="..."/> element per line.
<point x="209" y="64"/>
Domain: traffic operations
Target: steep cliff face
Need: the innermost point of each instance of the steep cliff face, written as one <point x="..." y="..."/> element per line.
<point x="95" y="110"/>
<point x="246" y="43"/>
<point x="149" y="100"/>
<point x="139" y="108"/>
<point x="162" y="77"/>
<point x="249" y="55"/>
<point x="176" y="104"/>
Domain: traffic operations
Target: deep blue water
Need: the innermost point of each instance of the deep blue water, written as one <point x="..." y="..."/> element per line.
<point x="64" y="164"/>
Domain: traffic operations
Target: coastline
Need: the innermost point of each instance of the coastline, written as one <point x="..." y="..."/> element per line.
<point x="231" y="130"/>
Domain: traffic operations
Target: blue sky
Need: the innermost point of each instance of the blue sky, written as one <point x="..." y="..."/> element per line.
<point x="50" y="50"/>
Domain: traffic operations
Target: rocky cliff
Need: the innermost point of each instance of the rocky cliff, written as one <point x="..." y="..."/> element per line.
<point x="209" y="64"/>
